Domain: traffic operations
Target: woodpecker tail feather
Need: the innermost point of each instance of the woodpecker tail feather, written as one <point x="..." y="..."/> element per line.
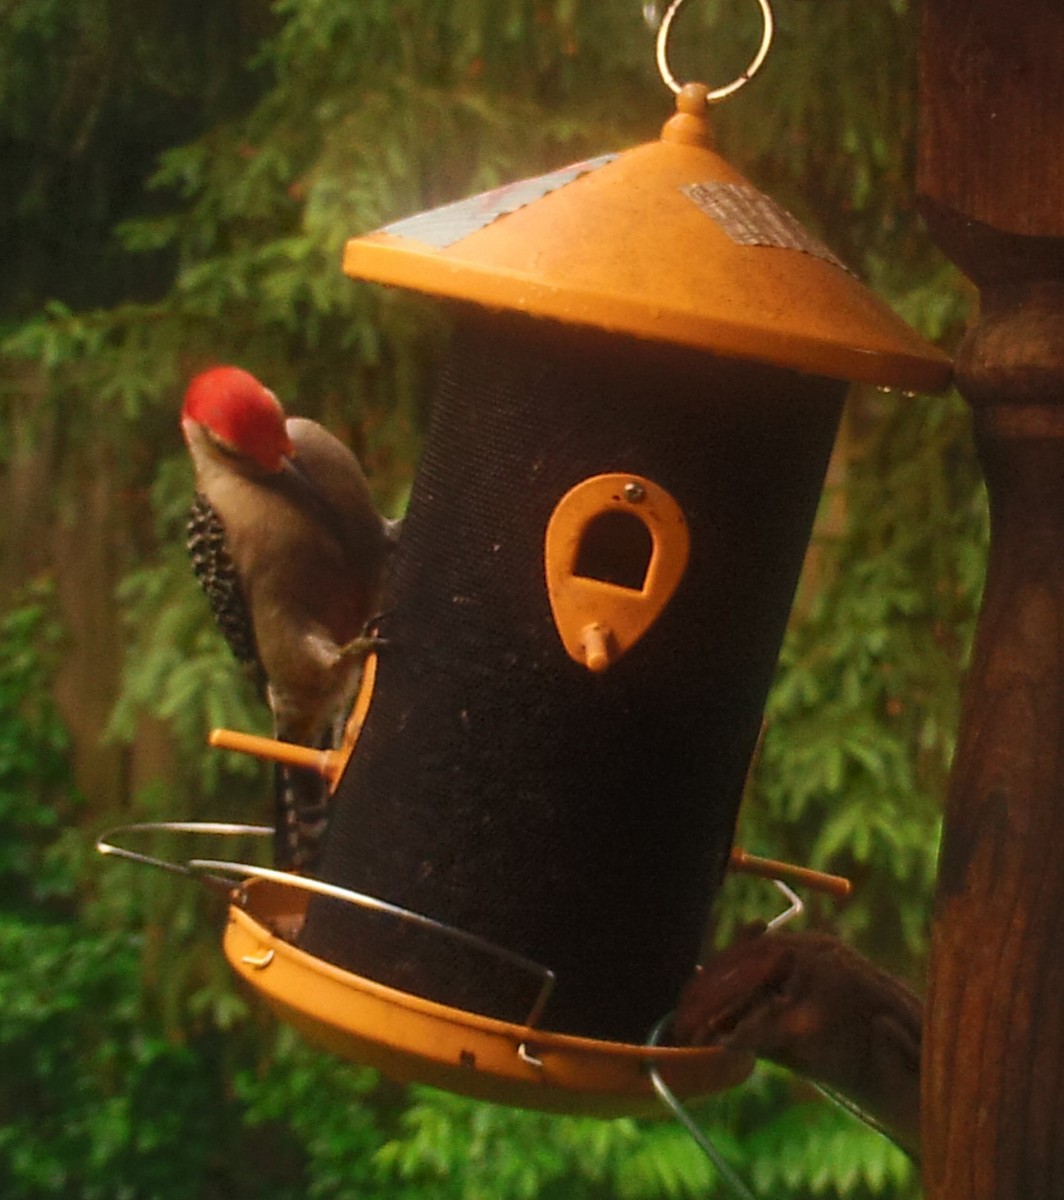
<point x="302" y="808"/>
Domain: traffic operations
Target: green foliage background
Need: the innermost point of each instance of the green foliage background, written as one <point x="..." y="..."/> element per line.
<point x="178" y="181"/>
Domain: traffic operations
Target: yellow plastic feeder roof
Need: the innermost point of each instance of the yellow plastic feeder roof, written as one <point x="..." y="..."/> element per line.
<point x="666" y="242"/>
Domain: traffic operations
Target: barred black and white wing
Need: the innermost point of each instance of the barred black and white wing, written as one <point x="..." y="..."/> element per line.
<point x="217" y="576"/>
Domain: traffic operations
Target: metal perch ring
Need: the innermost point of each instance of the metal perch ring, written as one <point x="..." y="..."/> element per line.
<point x="729" y="89"/>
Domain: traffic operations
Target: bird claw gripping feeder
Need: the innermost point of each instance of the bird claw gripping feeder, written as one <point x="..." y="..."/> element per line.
<point x="582" y="620"/>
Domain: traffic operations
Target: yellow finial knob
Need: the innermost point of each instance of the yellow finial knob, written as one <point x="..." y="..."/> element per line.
<point x="690" y="123"/>
<point x="692" y="98"/>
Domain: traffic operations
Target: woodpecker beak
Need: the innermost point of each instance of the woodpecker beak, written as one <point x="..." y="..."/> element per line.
<point x="287" y="454"/>
<point x="289" y="465"/>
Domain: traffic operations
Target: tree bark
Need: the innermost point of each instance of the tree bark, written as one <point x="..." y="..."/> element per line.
<point x="992" y="182"/>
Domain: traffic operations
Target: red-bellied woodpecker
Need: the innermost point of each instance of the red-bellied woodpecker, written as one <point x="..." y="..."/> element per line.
<point x="288" y="546"/>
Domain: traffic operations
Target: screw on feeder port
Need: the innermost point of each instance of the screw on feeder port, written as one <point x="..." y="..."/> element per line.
<point x="634" y="492"/>
<point x="524" y="1053"/>
<point x="258" y="961"/>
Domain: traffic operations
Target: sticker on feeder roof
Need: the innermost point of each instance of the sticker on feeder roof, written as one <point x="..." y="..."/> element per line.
<point x="750" y="218"/>
<point x="442" y="227"/>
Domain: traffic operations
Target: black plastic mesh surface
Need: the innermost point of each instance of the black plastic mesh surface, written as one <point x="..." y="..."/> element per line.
<point x="581" y="820"/>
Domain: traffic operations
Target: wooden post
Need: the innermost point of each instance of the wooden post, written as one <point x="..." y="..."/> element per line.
<point x="991" y="177"/>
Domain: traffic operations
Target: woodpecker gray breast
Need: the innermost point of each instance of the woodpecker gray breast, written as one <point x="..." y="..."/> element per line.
<point x="290" y="550"/>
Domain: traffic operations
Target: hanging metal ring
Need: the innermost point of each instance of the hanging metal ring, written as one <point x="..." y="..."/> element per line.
<point x="728" y="89"/>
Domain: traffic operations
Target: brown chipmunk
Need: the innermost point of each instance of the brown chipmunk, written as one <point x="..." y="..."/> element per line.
<point x="810" y="1003"/>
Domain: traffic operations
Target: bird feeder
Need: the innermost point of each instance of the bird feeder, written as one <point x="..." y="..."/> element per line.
<point x="603" y="540"/>
<point x="585" y="608"/>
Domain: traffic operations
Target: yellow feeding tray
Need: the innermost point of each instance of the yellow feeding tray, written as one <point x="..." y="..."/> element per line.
<point x="410" y="1038"/>
<point x="666" y="242"/>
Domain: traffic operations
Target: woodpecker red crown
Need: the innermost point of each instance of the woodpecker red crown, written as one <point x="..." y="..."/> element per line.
<point x="239" y="412"/>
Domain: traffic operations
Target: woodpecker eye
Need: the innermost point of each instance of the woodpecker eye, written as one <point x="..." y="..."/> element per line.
<point x="615" y="548"/>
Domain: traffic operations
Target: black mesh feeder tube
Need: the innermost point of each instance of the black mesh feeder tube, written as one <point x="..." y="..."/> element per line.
<point x="564" y="786"/>
<point x="580" y="818"/>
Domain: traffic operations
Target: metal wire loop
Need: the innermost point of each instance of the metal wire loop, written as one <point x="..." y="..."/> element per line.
<point x="219" y="874"/>
<point x="319" y="887"/>
<point x="728" y="89"/>
<point x="795" y="907"/>
<point x="672" y="1102"/>
<point x="107" y="844"/>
